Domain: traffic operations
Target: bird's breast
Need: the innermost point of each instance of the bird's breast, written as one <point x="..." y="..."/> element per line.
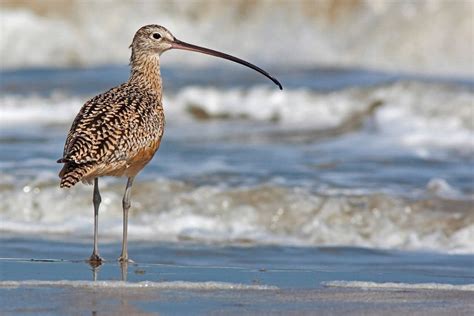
<point x="139" y="160"/>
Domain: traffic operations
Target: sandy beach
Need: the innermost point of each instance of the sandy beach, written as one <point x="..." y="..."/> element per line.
<point x="176" y="299"/>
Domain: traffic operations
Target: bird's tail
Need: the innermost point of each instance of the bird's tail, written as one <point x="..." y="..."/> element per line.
<point x="72" y="173"/>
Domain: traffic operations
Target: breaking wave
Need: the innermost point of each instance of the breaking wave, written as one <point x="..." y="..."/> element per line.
<point x="417" y="115"/>
<point x="391" y="35"/>
<point x="166" y="210"/>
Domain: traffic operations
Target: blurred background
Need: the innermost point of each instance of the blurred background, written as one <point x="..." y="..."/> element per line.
<point x="425" y="36"/>
<point x="369" y="144"/>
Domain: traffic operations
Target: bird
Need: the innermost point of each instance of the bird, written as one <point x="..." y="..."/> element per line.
<point x="118" y="132"/>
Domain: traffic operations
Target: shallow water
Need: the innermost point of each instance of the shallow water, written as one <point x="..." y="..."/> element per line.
<point x="280" y="267"/>
<point x="340" y="157"/>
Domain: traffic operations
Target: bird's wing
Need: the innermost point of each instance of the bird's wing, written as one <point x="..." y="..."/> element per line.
<point x="111" y="127"/>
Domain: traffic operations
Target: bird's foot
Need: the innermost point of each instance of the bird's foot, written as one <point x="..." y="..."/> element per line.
<point x="123" y="259"/>
<point x="95" y="260"/>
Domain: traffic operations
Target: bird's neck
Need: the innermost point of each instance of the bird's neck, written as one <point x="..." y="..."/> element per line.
<point x="145" y="72"/>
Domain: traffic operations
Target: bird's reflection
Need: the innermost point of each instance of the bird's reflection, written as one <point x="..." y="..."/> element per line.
<point x="124" y="270"/>
<point x="95" y="268"/>
<point x="124" y="305"/>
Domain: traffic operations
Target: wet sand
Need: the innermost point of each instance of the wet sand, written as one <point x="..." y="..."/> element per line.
<point x="57" y="300"/>
<point x="199" y="279"/>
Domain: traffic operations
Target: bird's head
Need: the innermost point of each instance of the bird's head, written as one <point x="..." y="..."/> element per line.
<point x="155" y="39"/>
<point x="152" y="39"/>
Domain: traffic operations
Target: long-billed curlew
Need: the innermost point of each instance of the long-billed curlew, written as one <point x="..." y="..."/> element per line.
<point x="117" y="132"/>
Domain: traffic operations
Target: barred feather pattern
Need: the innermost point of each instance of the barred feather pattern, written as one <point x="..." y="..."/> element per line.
<point x="114" y="127"/>
<point x="72" y="173"/>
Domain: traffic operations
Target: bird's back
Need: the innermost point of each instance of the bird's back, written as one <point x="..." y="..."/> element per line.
<point x="115" y="133"/>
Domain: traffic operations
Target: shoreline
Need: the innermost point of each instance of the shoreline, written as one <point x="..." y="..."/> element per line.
<point x="182" y="278"/>
<point x="209" y="297"/>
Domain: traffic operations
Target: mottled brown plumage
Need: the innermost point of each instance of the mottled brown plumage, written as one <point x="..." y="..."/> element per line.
<point x="110" y="131"/>
<point x="117" y="132"/>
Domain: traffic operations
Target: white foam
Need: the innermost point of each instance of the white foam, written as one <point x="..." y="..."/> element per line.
<point x="442" y="188"/>
<point x="170" y="285"/>
<point x="427" y="116"/>
<point x="58" y="108"/>
<point x="46" y="42"/>
<point x="299" y="107"/>
<point x="265" y="214"/>
<point x="421" y="117"/>
<point x="292" y="33"/>
<point x="401" y="286"/>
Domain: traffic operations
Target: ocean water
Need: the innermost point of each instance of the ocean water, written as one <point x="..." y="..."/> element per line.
<point x="338" y="158"/>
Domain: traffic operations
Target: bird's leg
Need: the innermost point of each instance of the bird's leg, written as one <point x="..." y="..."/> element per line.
<point x="96" y="199"/>
<point x="126" y="206"/>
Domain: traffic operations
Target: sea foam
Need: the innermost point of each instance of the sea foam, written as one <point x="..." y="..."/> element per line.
<point x="260" y="215"/>
<point x="400" y="286"/>
<point x="165" y="285"/>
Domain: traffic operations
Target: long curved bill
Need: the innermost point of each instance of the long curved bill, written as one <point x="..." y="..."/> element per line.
<point x="186" y="46"/>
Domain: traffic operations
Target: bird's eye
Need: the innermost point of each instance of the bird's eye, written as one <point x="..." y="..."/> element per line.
<point x="156" y="36"/>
